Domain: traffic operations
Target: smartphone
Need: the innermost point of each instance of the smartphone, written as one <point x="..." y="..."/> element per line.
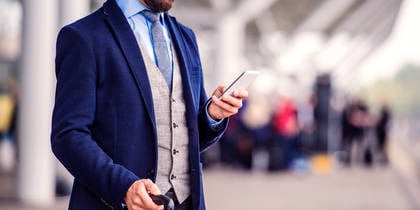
<point x="241" y="82"/>
<point x="163" y="200"/>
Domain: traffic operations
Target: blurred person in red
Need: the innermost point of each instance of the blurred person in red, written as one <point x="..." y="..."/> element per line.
<point x="286" y="130"/>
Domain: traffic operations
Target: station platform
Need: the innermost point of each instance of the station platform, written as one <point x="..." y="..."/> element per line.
<point x="386" y="187"/>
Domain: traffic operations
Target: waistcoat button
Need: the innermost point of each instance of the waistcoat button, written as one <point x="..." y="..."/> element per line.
<point x="175" y="151"/>
<point x="175" y="125"/>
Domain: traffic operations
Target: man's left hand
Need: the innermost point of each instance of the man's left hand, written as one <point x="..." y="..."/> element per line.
<point x="228" y="105"/>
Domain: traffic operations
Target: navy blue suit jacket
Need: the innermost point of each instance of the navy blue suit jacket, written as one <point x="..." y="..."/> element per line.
<point x="103" y="128"/>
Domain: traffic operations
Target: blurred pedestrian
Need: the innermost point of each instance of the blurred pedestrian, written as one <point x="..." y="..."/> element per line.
<point x="353" y="129"/>
<point x="286" y="129"/>
<point x="306" y="126"/>
<point x="7" y="121"/>
<point x="381" y="128"/>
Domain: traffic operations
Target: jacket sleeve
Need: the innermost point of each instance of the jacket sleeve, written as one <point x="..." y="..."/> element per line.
<point x="73" y="116"/>
<point x="208" y="134"/>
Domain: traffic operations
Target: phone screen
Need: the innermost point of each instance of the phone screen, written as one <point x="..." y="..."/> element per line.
<point x="241" y="82"/>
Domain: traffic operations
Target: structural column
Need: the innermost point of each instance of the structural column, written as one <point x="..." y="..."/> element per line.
<point x="71" y="10"/>
<point x="36" y="179"/>
<point x="231" y="44"/>
<point x="232" y="29"/>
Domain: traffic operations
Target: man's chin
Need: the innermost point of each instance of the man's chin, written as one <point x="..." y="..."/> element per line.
<point x="160" y="5"/>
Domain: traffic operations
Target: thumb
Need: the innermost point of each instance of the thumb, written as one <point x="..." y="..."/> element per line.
<point x="151" y="187"/>
<point x="219" y="90"/>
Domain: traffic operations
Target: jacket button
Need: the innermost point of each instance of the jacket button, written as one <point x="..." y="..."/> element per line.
<point x="151" y="173"/>
<point x="173" y="176"/>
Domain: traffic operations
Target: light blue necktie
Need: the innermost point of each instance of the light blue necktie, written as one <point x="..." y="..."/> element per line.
<point x="160" y="46"/>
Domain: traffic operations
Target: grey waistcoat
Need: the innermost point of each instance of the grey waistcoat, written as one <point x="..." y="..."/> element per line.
<point x="172" y="131"/>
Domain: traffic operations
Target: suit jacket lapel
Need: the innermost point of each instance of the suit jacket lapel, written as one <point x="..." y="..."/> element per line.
<point x="131" y="50"/>
<point x="185" y="65"/>
<point x="183" y="58"/>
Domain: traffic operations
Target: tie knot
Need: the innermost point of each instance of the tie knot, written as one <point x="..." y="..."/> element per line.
<point x="151" y="16"/>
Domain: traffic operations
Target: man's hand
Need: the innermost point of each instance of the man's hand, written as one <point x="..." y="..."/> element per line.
<point x="137" y="197"/>
<point x="228" y="105"/>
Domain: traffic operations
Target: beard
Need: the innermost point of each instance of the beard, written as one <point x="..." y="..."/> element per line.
<point x="159" y="5"/>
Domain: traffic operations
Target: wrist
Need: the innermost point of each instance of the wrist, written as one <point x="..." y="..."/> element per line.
<point x="212" y="114"/>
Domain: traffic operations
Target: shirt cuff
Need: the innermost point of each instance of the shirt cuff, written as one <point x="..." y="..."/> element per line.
<point x="213" y="123"/>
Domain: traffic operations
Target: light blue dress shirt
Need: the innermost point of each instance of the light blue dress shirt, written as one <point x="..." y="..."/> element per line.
<point x="142" y="30"/>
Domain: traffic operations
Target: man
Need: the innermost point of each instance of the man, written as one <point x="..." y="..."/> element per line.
<point x="131" y="115"/>
<point x="381" y="130"/>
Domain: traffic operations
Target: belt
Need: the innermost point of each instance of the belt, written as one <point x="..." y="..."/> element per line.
<point x="185" y="205"/>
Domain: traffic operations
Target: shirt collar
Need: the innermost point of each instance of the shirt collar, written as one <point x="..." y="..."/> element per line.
<point x="132" y="7"/>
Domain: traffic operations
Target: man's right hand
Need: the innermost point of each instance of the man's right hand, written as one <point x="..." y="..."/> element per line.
<point x="137" y="197"/>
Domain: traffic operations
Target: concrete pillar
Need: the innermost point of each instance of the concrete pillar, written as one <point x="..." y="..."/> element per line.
<point x="231" y="30"/>
<point x="36" y="179"/>
<point x="231" y="47"/>
<point x="71" y="10"/>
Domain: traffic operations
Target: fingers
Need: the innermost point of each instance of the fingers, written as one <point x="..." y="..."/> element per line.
<point x="143" y="195"/>
<point x="228" y="104"/>
<point x="219" y="90"/>
<point x="232" y="100"/>
<point x="151" y="187"/>
<point x="138" y="198"/>
<point x="242" y="94"/>
<point x="219" y="109"/>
